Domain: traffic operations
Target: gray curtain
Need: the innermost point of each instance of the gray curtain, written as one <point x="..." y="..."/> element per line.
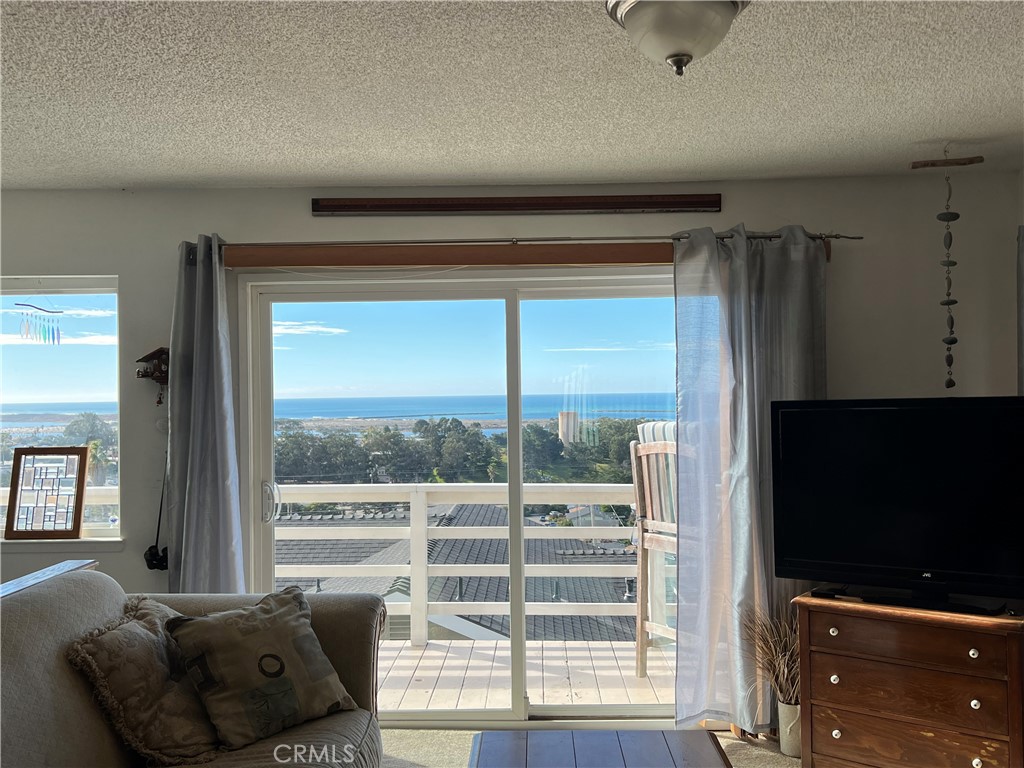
<point x="203" y="509"/>
<point x="750" y="328"/>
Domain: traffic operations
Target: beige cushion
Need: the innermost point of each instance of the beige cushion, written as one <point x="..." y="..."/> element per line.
<point x="135" y="668"/>
<point x="348" y="627"/>
<point x="259" y="669"/>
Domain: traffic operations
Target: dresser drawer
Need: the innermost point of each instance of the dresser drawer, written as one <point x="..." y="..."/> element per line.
<point x="956" y="649"/>
<point x="881" y="741"/>
<point x="826" y="761"/>
<point x="943" y="698"/>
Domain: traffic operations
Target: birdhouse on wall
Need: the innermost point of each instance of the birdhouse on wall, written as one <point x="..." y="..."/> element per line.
<point x="155" y="365"/>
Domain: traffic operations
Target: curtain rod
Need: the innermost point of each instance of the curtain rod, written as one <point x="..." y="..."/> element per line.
<point x="776" y="236"/>
<point x="524" y="240"/>
<point x="482" y="252"/>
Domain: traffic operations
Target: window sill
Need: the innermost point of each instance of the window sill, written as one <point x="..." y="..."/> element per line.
<point x="64" y="546"/>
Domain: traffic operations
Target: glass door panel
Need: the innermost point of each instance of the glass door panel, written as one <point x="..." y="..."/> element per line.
<point x="593" y="371"/>
<point x="390" y="453"/>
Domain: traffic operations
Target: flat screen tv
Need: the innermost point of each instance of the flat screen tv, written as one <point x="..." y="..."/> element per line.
<point x="925" y="495"/>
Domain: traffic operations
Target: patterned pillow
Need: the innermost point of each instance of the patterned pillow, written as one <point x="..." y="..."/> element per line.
<point x="259" y="669"/>
<point x="140" y="684"/>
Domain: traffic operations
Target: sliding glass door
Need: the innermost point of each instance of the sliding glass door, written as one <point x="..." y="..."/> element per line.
<point x="390" y="435"/>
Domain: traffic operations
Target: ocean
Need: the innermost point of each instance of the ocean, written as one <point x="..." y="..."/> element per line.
<point x="630" y="405"/>
<point x="479" y="407"/>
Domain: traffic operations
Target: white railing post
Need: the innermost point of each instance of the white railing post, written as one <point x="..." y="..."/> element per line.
<point x="418" y="584"/>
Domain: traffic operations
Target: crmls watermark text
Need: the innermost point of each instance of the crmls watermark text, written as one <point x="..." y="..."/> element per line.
<point x="315" y="753"/>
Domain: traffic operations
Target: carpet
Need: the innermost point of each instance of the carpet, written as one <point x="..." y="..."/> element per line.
<point x="450" y="749"/>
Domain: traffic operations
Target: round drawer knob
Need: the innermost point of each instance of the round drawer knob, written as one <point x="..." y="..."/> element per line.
<point x="976" y="762"/>
<point x="834" y="679"/>
<point x="833" y="631"/>
<point x="974" y="653"/>
<point x="836" y="733"/>
<point x="975" y="704"/>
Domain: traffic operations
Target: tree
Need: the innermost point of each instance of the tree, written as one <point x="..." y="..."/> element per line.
<point x="291" y="444"/>
<point x="99" y="463"/>
<point x="304" y="456"/>
<point x="542" y="449"/>
<point x="467" y="456"/>
<point x="616" y="435"/>
<point x="86" y="428"/>
<point x="433" y="433"/>
<point x="458" y="453"/>
<point x="393" y="455"/>
<point x="497" y="470"/>
<point x="7" y="445"/>
<point x="346" y="460"/>
<point x="580" y="458"/>
<point x="606" y="458"/>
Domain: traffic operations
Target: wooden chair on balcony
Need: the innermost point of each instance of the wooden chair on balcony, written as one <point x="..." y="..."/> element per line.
<point x="654" y="485"/>
<point x="655" y="461"/>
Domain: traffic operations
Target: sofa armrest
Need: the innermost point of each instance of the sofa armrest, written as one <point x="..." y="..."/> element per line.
<point x="348" y="626"/>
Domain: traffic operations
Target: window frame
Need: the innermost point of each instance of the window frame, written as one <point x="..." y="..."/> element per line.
<point x="71" y="285"/>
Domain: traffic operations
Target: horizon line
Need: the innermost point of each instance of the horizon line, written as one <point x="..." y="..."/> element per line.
<point x="8" y="405"/>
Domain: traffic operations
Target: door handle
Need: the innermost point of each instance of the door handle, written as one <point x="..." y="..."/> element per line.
<point x="271" y="501"/>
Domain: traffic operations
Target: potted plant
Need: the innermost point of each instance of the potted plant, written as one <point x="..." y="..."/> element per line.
<point x="776" y="648"/>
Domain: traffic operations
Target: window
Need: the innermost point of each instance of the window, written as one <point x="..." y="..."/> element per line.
<point x="58" y="382"/>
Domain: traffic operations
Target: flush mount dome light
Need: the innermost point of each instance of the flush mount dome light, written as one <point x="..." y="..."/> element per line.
<point x="675" y="31"/>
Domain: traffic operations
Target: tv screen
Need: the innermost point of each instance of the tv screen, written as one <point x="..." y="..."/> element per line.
<point x="919" y="494"/>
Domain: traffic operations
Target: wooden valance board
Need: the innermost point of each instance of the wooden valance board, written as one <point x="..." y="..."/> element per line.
<point x="306" y="255"/>
<point x="519" y="205"/>
<point x="528" y="254"/>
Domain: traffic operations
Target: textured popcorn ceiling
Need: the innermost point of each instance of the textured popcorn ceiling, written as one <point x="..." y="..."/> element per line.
<point x="149" y="94"/>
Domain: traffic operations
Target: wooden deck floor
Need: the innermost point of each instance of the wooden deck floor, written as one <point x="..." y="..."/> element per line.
<point x="475" y="674"/>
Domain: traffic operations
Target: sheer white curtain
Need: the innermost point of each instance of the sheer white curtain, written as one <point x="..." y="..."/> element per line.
<point x="750" y="328"/>
<point x="203" y="508"/>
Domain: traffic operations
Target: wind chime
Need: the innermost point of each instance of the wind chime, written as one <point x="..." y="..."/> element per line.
<point x="947" y="217"/>
<point x="40" y="326"/>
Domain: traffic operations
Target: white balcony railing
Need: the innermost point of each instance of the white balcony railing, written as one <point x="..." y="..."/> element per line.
<point x="419" y="532"/>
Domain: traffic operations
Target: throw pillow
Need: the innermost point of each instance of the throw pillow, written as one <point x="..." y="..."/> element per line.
<point x="259" y="669"/>
<point x="139" y="682"/>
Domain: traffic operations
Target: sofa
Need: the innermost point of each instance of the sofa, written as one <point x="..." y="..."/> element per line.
<point x="49" y="717"/>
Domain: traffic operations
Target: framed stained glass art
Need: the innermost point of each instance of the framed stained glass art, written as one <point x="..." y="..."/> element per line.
<point x="47" y="493"/>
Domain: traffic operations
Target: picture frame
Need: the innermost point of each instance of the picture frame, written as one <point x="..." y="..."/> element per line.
<point x="47" y="493"/>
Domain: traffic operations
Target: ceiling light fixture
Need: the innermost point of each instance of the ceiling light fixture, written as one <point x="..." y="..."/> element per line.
<point x="675" y="31"/>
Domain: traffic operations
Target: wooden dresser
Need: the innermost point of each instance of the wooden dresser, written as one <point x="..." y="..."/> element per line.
<point x="885" y="686"/>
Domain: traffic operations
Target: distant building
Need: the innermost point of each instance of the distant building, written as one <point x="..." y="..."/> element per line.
<point x="568" y="427"/>
<point x="592" y="514"/>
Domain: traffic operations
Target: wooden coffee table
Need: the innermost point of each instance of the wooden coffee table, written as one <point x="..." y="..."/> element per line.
<point x="597" y="749"/>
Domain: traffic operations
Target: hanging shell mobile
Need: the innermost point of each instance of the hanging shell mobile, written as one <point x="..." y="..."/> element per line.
<point x="947" y="217"/>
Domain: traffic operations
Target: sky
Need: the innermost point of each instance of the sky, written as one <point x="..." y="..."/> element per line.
<point x="82" y="368"/>
<point x="373" y="349"/>
<point x="406" y="348"/>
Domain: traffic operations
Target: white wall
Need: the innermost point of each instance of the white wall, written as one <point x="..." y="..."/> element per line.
<point x="884" y="320"/>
